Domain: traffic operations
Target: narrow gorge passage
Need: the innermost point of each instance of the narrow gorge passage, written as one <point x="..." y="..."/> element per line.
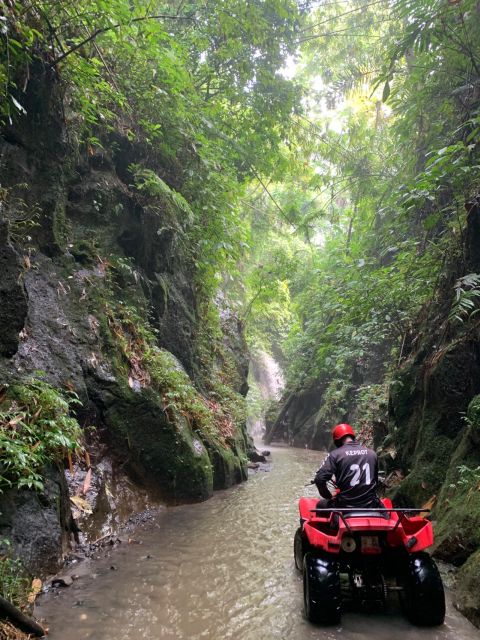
<point x="219" y="569"/>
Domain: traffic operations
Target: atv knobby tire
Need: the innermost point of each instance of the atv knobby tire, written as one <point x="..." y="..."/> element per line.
<point x="300" y="548"/>
<point x="321" y="589"/>
<point x="423" y="597"/>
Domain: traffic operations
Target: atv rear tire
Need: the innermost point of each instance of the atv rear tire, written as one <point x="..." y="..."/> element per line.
<point x="321" y="589"/>
<point x="423" y="597"/>
<point x="300" y="548"/>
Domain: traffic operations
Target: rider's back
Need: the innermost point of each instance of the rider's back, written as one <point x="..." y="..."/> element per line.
<point x="356" y="475"/>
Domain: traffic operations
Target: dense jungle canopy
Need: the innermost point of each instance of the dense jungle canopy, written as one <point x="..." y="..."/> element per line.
<point x="302" y="173"/>
<point x="323" y="154"/>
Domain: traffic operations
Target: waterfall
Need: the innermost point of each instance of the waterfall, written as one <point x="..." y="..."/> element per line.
<point x="266" y="384"/>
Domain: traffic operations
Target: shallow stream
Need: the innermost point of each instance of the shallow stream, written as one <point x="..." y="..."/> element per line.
<point x="220" y="569"/>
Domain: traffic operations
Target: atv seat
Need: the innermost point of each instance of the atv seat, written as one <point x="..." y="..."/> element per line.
<point x="367" y="514"/>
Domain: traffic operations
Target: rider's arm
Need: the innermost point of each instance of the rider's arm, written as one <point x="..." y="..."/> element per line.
<point x="326" y="471"/>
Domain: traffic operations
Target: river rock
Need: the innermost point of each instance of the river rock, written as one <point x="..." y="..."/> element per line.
<point x="256" y="456"/>
<point x="62" y="581"/>
<point x="38" y="524"/>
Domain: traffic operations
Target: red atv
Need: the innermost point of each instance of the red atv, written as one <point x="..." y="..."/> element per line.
<point x="359" y="556"/>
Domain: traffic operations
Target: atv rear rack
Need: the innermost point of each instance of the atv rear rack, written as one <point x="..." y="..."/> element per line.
<point x="381" y="511"/>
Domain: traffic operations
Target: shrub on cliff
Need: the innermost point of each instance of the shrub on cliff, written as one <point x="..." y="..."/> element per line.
<point x="36" y="429"/>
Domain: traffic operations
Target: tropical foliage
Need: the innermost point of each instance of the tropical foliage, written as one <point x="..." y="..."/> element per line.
<point x="196" y="81"/>
<point x="382" y="175"/>
<point x="324" y="206"/>
<point x="36" y="430"/>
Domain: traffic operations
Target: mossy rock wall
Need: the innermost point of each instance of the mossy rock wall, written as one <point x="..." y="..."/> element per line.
<point x="96" y="238"/>
<point x="467" y="594"/>
<point x="228" y="464"/>
<point x="458" y="510"/>
<point x="434" y="423"/>
<point x="428" y="403"/>
<point x="295" y="421"/>
<point x="165" y="456"/>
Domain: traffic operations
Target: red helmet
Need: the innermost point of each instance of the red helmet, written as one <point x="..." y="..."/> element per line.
<point x="342" y="430"/>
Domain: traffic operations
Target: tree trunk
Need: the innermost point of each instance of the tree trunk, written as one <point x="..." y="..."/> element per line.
<point x="9" y="612"/>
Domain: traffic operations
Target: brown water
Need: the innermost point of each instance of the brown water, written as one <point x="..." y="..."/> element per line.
<point x="220" y="569"/>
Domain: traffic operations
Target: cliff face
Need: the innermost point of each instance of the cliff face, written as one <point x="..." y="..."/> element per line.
<point x="98" y="284"/>
<point x="434" y="424"/>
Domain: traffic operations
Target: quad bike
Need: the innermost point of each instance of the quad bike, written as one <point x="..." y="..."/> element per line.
<point x="361" y="555"/>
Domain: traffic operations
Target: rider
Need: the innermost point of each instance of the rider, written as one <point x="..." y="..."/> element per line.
<point x="355" y="468"/>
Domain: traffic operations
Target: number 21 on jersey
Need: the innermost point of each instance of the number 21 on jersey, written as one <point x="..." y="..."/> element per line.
<point x="359" y="473"/>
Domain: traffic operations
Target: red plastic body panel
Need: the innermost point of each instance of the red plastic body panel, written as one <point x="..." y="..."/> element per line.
<point x="413" y="533"/>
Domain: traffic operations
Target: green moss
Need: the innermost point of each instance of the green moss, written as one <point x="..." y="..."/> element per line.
<point x="229" y="468"/>
<point x="14" y="580"/>
<point x="85" y="252"/>
<point x="402" y="392"/>
<point x="166" y="454"/>
<point x="458" y="526"/>
<point x="473" y="417"/>
<point x="467" y="595"/>
<point x="423" y="442"/>
<point x="179" y="441"/>
<point x="458" y="507"/>
<point x="428" y="467"/>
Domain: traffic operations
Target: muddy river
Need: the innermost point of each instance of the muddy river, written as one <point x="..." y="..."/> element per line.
<point x="220" y="569"/>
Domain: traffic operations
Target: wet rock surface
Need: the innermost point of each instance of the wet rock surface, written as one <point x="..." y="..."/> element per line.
<point x="38" y="524"/>
<point x="467" y="596"/>
<point x="13" y="309"/>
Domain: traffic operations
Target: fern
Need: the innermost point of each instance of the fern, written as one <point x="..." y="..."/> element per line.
<point x="467" y="290"/>
<point x="148" y="181"/>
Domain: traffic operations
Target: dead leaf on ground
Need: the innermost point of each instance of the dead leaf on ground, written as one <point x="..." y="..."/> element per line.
<point x="34" y="590"/>
<point x="81" y="504"/>
<point x="87" y="482"/>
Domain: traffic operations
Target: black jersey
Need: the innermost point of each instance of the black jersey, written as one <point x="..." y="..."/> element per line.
<point x="355" y="468"/>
